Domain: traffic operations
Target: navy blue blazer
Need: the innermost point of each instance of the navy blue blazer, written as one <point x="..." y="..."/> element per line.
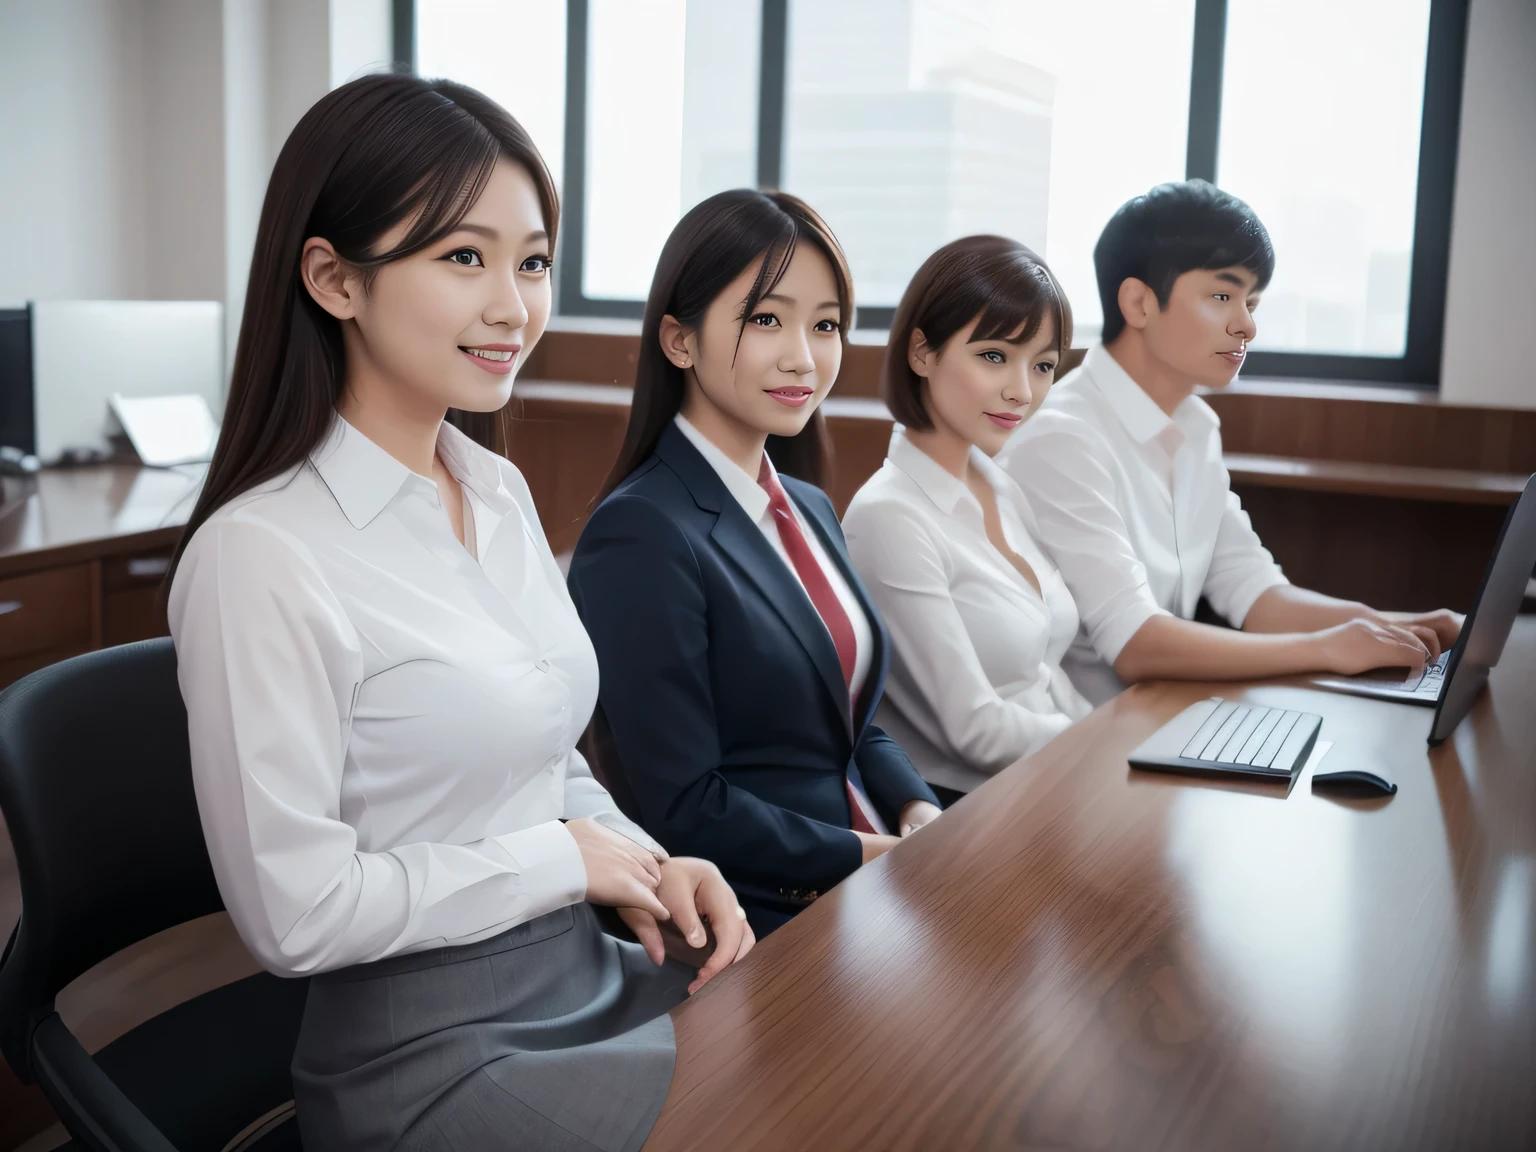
<point x="723" y="719"/>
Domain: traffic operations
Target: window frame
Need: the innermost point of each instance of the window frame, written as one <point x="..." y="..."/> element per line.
<point x="1439" y="134"/>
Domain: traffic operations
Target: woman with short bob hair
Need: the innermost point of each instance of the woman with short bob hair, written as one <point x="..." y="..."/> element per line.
<point x="944" y="540"/>
<point x="385" y="678"/>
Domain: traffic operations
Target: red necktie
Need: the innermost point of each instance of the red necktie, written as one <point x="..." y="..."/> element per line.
<point x="823" y="598"/>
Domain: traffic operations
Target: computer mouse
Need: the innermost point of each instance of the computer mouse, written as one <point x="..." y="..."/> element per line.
<point x="1358" y="780"/>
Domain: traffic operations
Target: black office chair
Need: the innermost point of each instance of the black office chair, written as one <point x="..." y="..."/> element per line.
<point x="96" y="788"/>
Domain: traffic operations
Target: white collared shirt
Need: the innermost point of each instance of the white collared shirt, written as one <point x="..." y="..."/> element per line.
<point x="382" y="725"/>
<point x="1137" y="510"/>
<point x="753" y="499"/>
<point x="976" y="679"/>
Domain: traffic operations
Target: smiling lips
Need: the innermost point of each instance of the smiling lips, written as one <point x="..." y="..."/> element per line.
<point x="793" y="397"/>
<point x="497" y="359"/>
<point x="1236" y="357"/>
<point x="1007" y="421"/>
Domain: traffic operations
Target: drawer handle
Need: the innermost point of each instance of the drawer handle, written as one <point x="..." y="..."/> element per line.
<point x="148" y="567"/>
<point x="9" y="606"/>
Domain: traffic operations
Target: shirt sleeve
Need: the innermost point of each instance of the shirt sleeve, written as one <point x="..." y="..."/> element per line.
<point x="1242" y="569"/>
<point x="941" y="686"/>
<point x="269" y="667"/>
<point x="1060" y="465"/>
<point x="585" y="798"/>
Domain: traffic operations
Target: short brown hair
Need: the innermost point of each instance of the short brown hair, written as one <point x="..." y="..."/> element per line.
<point x="999" y="283"/>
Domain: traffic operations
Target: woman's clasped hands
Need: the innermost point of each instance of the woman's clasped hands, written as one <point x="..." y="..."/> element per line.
<point x="648" y="892"/>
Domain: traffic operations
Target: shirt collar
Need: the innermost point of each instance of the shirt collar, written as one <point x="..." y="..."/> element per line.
<point x="747" y="491"/>
<point x="947" y="491"/>
<point x="364" y="478"/>
<point x="1136" y="411"/>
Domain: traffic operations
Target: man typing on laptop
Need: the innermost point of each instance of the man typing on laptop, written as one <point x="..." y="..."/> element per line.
<point x="1123" y="469"/>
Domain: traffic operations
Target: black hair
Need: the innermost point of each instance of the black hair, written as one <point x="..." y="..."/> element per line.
<point x="713" y="244"/>
<point x="1174" y="229"/>
<point x="378" y="152"/>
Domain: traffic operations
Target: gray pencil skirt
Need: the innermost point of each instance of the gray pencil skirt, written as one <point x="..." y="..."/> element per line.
<point x="553" y="1035"/>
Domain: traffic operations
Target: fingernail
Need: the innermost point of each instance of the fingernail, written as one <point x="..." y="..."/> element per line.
<point x="741" y="913"/>
<point x="696" y="937"/>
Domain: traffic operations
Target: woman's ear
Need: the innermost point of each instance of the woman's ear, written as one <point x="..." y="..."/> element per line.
<point x="675" y="340"/>
<point x="328" y="279"/>
<point x="920" y="356"/>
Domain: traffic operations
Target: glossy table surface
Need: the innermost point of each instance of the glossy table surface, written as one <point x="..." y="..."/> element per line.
<point x="67" y="514"/>
<point x="1082" y="956"/>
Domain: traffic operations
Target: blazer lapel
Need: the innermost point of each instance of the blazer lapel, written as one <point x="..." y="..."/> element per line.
<point x="746" y="546"/>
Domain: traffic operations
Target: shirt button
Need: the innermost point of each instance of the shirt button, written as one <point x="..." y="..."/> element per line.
<point x="542" y="665"/>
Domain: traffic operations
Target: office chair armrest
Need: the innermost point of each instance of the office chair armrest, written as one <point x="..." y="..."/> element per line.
<point x="94" y="1110"/>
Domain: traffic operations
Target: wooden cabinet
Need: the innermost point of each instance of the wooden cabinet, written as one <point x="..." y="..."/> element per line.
<point x="46" y="616"/>
<point x="83" y="557"/>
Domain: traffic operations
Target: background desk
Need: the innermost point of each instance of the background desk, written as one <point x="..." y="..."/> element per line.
<point x="83" y="552"/>
<point x="1079" y="956"/>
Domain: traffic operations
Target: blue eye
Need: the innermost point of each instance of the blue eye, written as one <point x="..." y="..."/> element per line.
<point x="1045" y="367"/>
<point x="465" y="258"/>
<point x="993" y="356"/>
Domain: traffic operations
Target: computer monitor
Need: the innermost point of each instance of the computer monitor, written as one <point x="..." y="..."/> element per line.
<point x="1493" y="614"/>
<point x="83" y="351"/>
<point x="16" y="428"/>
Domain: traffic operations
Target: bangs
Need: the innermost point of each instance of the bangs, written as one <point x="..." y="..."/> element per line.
<point x="1013" y="299"/>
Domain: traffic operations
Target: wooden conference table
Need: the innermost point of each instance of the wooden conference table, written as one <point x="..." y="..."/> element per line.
<point x="1078" y="956"/>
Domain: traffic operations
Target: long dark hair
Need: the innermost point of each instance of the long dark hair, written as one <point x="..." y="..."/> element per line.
<point x="374" y="153"/>
<point x="713" y="244"/>
<point x="1008" y="290"/>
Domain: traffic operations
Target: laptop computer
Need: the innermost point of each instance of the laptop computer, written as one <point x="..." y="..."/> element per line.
<point x="1451" y="683"/>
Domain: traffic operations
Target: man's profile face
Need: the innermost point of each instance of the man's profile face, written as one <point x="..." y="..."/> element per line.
<point x="1204" y="330"/>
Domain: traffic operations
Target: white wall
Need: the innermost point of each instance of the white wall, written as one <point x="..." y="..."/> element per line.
<point x="72" y="163"/>
<point x="1493" y="229"/>
<point x="183" y="134"/>
<point x="139" y="164"/>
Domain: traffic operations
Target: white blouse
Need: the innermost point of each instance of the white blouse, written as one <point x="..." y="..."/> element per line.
<point x="383" y="725"/>
<point x="976" y="679"/>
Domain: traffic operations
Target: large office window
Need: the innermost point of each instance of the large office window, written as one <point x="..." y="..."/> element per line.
<point x="512" y="50"/>
<point x="670" y="118"/>
<point x="1320" y="133"/>
<point x="909" y="123"/>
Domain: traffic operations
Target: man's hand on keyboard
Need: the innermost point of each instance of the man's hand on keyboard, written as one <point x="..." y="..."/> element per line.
<point x="1438" y="630"/>
<point x="1361" y="645"/>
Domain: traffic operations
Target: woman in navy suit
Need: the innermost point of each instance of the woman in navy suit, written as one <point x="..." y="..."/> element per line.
<point x="740" y="657"/>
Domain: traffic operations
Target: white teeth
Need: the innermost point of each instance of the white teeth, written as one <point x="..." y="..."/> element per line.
<point x="486" y="354"/>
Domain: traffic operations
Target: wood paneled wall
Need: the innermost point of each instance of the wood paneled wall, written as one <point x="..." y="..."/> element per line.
<point x="1409" y="553"/>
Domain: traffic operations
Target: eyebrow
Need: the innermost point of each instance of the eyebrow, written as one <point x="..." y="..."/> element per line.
<point x="491" y="233"/>
<point x="782" y="299"/>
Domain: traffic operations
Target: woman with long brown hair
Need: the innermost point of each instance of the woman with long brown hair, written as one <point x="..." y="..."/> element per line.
<point x="385" y="677"/>
<point x="741" y="659"/>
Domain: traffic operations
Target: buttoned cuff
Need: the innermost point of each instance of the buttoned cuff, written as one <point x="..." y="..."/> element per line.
<point x="548" y="866"/>
<point x="618" y="822"/>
